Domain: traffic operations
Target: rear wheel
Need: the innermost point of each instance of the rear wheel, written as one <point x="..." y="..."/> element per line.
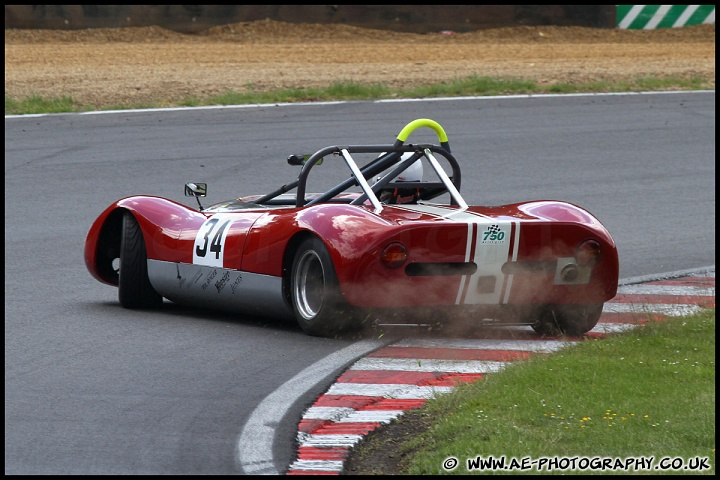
<point x="570" y="320"/>
<point x="134" y="288"/>
<point x="317" y="301"/>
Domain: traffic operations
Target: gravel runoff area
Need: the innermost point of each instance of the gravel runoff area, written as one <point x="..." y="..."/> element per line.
<point x="151" y="65"/>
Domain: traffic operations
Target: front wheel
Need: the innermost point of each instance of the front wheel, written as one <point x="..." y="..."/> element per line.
<point x="317" y="301"/>
<point x="134" y="288"/>
<point x="572" y="320"/>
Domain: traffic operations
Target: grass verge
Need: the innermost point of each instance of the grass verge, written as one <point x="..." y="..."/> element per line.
<point x="347" y="91"/>
<point x="646" y="393"/>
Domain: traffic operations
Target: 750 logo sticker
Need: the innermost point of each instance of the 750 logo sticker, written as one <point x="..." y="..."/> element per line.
<point x="493" y="234"/>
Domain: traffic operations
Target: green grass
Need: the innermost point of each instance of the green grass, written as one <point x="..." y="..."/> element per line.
<point x="649" y="392"/>
<point x="346" y="91"/>
<point x="37" y="104"/>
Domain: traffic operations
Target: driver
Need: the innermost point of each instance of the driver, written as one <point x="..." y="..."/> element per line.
<point x="398" y="195"/>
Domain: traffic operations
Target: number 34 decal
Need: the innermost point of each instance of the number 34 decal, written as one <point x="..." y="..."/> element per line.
<point x="210" y="241"/>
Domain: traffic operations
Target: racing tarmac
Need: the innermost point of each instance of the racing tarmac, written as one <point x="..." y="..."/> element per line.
<point x="403" y="375"/>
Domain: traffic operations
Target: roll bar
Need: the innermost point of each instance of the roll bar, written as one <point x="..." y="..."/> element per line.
<point x="388" y="156"/>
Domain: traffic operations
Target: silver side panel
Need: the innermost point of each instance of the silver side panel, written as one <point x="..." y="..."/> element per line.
<point x="219" y="288"/>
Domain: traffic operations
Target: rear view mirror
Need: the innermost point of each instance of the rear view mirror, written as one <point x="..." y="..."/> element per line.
<point x="195" y="189"/>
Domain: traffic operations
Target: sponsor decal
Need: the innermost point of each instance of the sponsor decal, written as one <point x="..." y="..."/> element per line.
<point x="493" y="235"/>
<point x="209" y="279"/>
<point x="236" y="284"/>
<point x="220" y="284"/>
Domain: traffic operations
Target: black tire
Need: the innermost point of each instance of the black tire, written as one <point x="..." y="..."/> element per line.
<point x="572" y="320"/>
<point x="315" y="292"/>
<point x="134" y="288"/>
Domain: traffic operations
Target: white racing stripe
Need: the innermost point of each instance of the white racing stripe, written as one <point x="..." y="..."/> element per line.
<point x="464" y="278"/>
<point x="488" y="245"/>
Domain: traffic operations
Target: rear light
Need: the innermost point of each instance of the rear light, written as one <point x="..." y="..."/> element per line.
<point x="394" y="255"/>
<point x="588" y="253"/>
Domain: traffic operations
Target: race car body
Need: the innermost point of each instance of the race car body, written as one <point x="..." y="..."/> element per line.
<point x="327" y="259"/>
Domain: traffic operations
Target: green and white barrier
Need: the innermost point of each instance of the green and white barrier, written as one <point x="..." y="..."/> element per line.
<point x="649" y="17"/>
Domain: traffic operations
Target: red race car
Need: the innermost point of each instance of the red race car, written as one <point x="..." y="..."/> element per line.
<point x="393" y="236"/>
